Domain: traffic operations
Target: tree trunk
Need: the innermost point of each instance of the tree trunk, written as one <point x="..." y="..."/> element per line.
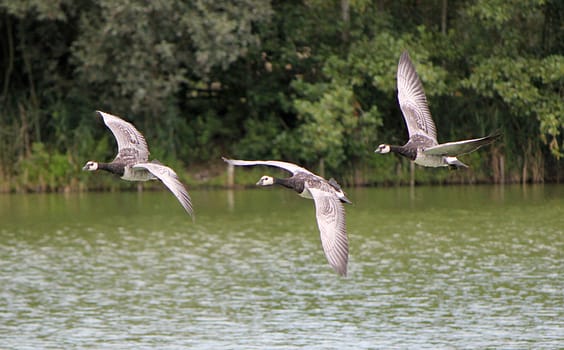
<point x="10" y="54"/>
<point x="34" y="108"/>
<point x="537" y="168"/>
<point x="322" y="167"/>
<point x="502" y="169"/>
<point x="444" y="17"/>
<point x="346" y="18"/>
<point x="25" y="148"/>
<point x="524" y="172"/>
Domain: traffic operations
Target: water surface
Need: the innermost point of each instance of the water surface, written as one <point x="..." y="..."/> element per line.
<point x="433" y="267"/>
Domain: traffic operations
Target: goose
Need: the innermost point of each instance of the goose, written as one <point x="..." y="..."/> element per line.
<point x="327" y="197"/>
<point x="132" y="161"/>
<point x="423" y="147"/>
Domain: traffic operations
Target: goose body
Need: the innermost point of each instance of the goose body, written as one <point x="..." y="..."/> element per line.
<point x="132" y="161"/>
<point x="329" y="211"/>
<point x="422" y="146"/>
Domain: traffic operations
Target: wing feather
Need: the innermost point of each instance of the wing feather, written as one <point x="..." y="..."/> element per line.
<point x="453" y="149"/>
<point x="412" y="100"/>
<point x="330" y="215"/>
<point x="290" y="167"/>
<point x="171" y="181"/>
<point x="132" y="146"/>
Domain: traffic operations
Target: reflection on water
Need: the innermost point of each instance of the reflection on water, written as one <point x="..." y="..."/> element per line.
<point x="442" y="267"/>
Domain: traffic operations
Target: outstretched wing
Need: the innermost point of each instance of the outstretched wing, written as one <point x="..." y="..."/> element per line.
<point x="412" y="100"/>
<point x="132" y="147"/>
<point x="170" y="179"/>
<point x="290" y="167"/>
<point x="453" y="149"/>
<point x="330" y="215"/>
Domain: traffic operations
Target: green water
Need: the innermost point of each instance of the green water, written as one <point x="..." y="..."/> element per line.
<point x="434" y="267"/>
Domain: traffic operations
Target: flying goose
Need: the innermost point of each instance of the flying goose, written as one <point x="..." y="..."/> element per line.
<point x="422" y="147"/>
<point x="327" y="197"/>
<point x="132" y="161"/>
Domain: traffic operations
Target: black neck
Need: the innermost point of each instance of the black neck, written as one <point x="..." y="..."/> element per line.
<point x="282" y="182"/>
<point x="290" y="182"/>
<point x="404" y="151"/>
<point x="114" y="168"/>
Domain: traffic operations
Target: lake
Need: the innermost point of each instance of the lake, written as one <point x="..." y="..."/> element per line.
<point x="430" y="267"/>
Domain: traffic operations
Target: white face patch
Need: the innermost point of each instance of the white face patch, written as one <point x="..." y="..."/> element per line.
<point x="382" y="149"/>
<point x="266" y="181"/>
<point x="90" y="166"/>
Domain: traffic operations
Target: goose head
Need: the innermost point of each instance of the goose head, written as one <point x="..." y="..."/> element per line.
<point x="382" y="149"/>
<point x="266" y="181"/>
<point x="90" y="166"/>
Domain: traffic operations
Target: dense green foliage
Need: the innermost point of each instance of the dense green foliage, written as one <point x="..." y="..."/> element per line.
<point x="308" y="81"/>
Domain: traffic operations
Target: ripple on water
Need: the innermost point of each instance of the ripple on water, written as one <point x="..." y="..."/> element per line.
<point x="429" y="277"/>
